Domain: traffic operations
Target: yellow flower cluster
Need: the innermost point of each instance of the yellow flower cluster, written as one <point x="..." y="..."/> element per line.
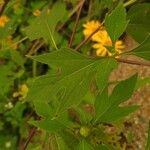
<point x="37" y="13"/>
<point x="101" y="39"/>
<point x="22" y="92"/>
<point x="3" y="20"/>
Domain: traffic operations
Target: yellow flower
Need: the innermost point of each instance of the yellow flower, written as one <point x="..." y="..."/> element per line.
<point x="22" y="92"/>
<point x="101" y="50"/>
<point x="3" y="20"/>
<point x="90" y="27"/>
<point x="102" y="39"/>
<point x="37" y="13"/>
<point x="119" y="46"/>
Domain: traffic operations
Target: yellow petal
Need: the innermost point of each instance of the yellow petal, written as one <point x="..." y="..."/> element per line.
<point x="3" y="20"/>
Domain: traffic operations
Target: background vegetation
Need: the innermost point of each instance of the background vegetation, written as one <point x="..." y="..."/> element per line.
<point x="58" y="87"/>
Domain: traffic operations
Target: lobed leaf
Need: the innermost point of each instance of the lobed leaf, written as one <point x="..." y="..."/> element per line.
<point x="107" y="109"/>
<point x="44" y="25"/>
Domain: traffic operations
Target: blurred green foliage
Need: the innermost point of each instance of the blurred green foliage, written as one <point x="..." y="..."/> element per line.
<point x="68" y="100"/>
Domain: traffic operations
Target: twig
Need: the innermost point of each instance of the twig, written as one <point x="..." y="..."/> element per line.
<point x="127" y="61"/>
<point x="88" y="38"/>
<point x="2" y="8"/>
<point x="76" y="23"/>
<point x="72" y="12"/>
<point x="16" y="43"/>
<point x="35" y="47"/>
<point x="32" y="133"/>
<point x="129" y="3"/>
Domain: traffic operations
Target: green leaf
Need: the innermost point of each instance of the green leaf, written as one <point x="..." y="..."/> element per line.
<point x="42" y="108"/>
<point x="139" y="26"/>
<point x="123" y="91"/>
<point x="73" y="78"/>
<point x="116" y="22"/>
<point x="48" y="125"/>
<point x="148" y="139"/>
<point x="85" y="117"/>
<point x="101" y="103"/>
<point x="44" y="25"/>
<point x="143" y="50"/>
<point x="75" y="84"/>
<point x="107" y="109"/>
<point x="102" y="76"/>
<point x="117" y="113"/>
<point x="66" y="60"/>
<point x="83" y="145"/>
<point x="74" y="75"/>
<point x="69" y="138"/>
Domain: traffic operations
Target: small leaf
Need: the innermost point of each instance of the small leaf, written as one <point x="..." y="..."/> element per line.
<point x="116" y="22"/>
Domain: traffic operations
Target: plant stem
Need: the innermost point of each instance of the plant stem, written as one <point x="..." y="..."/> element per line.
<point x="69" y="16"/>
<point x="132" y="62"/>
<point x="129" y="3"/>
<point x="32" y="133"/>
<point x="16" y="43"/>
<point x="2" y="8"/>
<point x="76" y="23"/>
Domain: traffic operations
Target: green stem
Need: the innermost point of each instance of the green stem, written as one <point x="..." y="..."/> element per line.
<point x="16" y="43"/>
<point x="129" y="3"/>
<point x="34" y="68"/>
